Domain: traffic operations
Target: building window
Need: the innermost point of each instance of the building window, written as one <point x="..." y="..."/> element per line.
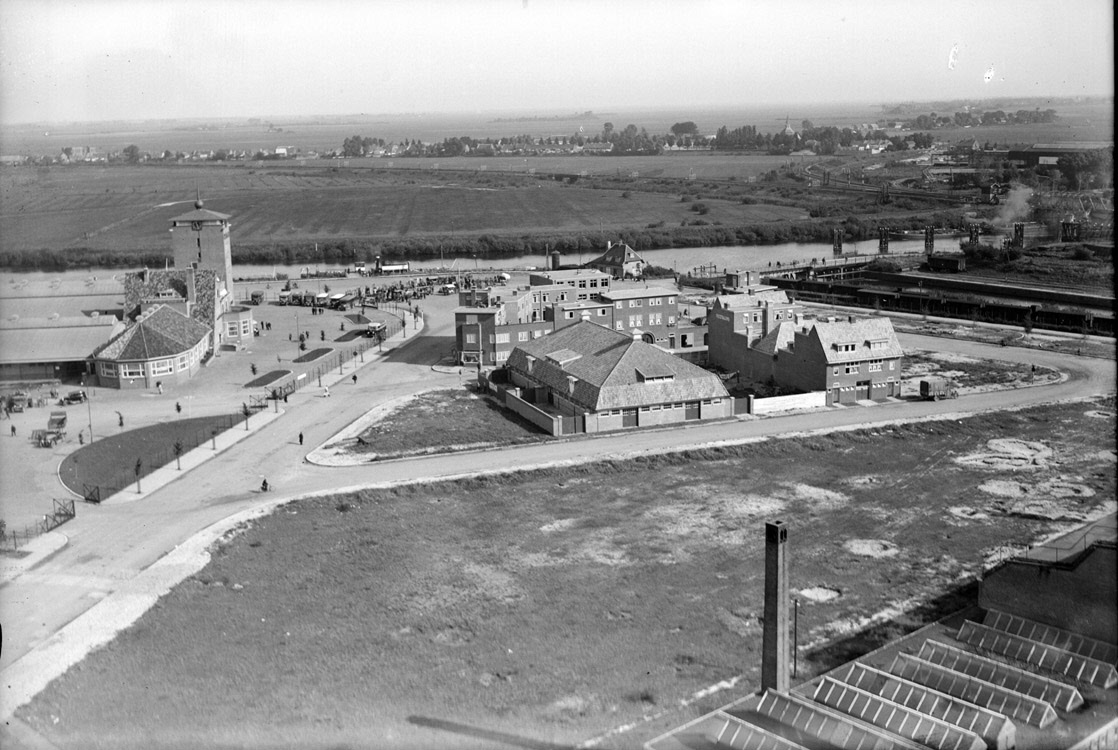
<point x="834" y="371"/>
<point x="601" y="312"/>
<point x="108" y="369"/>
<point x="163" y="367"/>
<point x="620" y="326"/>
<point x="617" y="305"/>
<point x="470" y="338"/>
<point x="182" y="362"/>
<point x="231" y="328"/>
<point x="875" y="367"/>
<point x="671" y="320"/>
<point x="522" y="336"/>
<point x="538" y="334"/>
<point x="654" y="319"/>
<point x="471" y="320"/>
<point x="569" y="314"/>
<point x="502" y="338"/>
<point x="500" y="356"/>
<point x="582" y="283"/>
<point x="851" y="369"/>
<point x="132" y="370"/>
<point x="891" y="363"/>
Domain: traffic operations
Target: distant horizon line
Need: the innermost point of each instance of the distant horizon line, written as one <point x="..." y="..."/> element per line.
<point x="567" y="112"/>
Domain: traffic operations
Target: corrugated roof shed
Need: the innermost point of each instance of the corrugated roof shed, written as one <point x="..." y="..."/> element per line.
<point x="28" y="340"/>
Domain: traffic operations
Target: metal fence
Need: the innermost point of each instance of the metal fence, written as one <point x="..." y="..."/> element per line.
<point x="152" y="460"/>
<point x="63" y="511"/>
<point x="342" y="360"/>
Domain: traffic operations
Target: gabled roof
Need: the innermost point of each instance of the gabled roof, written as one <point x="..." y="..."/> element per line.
<point x="755" y="298"/>
<point x="617" y="255"/>
<point x="611" y="370"/>
<point x="862" y="332"/>
<point x="779" y="337"/>
<point x="160" y="332"/>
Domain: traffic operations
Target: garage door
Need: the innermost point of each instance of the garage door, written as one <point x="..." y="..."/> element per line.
<point x="628" y="417"/>
<point x="691" y="410"/>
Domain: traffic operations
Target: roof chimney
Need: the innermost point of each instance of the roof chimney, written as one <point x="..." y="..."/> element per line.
<point x="585" y="315"/>
<point x="571" y="380"/>
<point x="637" y="335"/>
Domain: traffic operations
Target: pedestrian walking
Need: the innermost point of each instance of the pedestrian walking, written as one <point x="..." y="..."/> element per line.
<point x="159" y="386"/>
<point x="325" y="391"/>
<point x="355" y="378"/>
<point x="13" y="430"/>
<point x="300" y="438"/>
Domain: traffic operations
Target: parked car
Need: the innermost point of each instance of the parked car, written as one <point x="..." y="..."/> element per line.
<point x="75" y="397"/>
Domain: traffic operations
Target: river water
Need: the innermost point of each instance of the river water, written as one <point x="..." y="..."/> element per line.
<point x="682" y="260"/>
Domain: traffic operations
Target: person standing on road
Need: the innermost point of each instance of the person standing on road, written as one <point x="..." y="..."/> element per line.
<point x="300" y="438"/>
<point x="355" y="378"/>
<point x="13" y="430"/>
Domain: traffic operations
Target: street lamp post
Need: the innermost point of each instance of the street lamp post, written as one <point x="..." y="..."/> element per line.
<point x="89" y="413"/>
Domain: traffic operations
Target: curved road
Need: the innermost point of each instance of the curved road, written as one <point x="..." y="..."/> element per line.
<point x="111" y="545"/>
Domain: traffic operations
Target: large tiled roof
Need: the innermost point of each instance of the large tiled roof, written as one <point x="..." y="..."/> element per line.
<point x="160" y="332"/>
<point x="860" y="332"/>
<point x="610" y="369"/>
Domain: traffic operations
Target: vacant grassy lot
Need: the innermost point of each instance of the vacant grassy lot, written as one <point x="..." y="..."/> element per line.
<point x="558" y="605"/>
<point x="421" y="425"/>
<point x="120" y="207"/>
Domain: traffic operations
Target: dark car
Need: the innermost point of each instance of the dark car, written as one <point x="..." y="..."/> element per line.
<point x="75" y="397"/>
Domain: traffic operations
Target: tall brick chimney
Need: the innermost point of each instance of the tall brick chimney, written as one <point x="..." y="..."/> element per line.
<point x="775" y="649"/>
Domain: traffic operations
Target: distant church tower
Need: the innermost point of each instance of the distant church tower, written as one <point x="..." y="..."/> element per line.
<point x="200" y="239"/>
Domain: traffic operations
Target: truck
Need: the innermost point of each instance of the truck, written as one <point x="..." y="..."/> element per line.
<point x="376" y="330"/>
<point x="256" y="298"/>
<point x="933" y="389"/>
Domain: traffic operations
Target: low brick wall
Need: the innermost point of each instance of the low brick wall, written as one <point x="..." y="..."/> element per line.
<point x="812" y="400"/>
<point x="533" y="414"/>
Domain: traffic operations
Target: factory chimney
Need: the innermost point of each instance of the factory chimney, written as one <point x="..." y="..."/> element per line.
<point x="774" y="644"/>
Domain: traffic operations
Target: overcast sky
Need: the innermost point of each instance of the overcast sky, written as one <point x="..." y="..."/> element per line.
<point x="64" y="60"/>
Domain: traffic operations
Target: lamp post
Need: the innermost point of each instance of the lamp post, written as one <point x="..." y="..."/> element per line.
<point x="89" y="413"/>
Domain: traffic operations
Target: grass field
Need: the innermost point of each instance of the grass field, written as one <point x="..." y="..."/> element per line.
<point x="121" y="207"/>
<point x="108" y="461"/>
<point x="555" y="606"/>
<point x="420" y="425"/>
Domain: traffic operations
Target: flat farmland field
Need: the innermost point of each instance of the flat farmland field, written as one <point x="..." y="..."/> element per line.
<point x="557" y="606"/>
<point x="130" y="208"/>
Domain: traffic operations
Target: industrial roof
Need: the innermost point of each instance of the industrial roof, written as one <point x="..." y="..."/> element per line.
<point x="91" y="286"/>
<point x="27" y="340"/>
<point x="160" y="332"/>
<point x="641" y="293"/>
<point x="610" y="369"/>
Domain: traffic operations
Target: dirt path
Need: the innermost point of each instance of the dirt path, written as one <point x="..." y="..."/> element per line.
<point x="111" y="545"/>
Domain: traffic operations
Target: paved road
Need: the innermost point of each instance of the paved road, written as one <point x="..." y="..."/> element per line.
<point x="111" y="544"/>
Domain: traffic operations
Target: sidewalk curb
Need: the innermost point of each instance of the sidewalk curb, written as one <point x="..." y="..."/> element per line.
<point x="45" y="546"/>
